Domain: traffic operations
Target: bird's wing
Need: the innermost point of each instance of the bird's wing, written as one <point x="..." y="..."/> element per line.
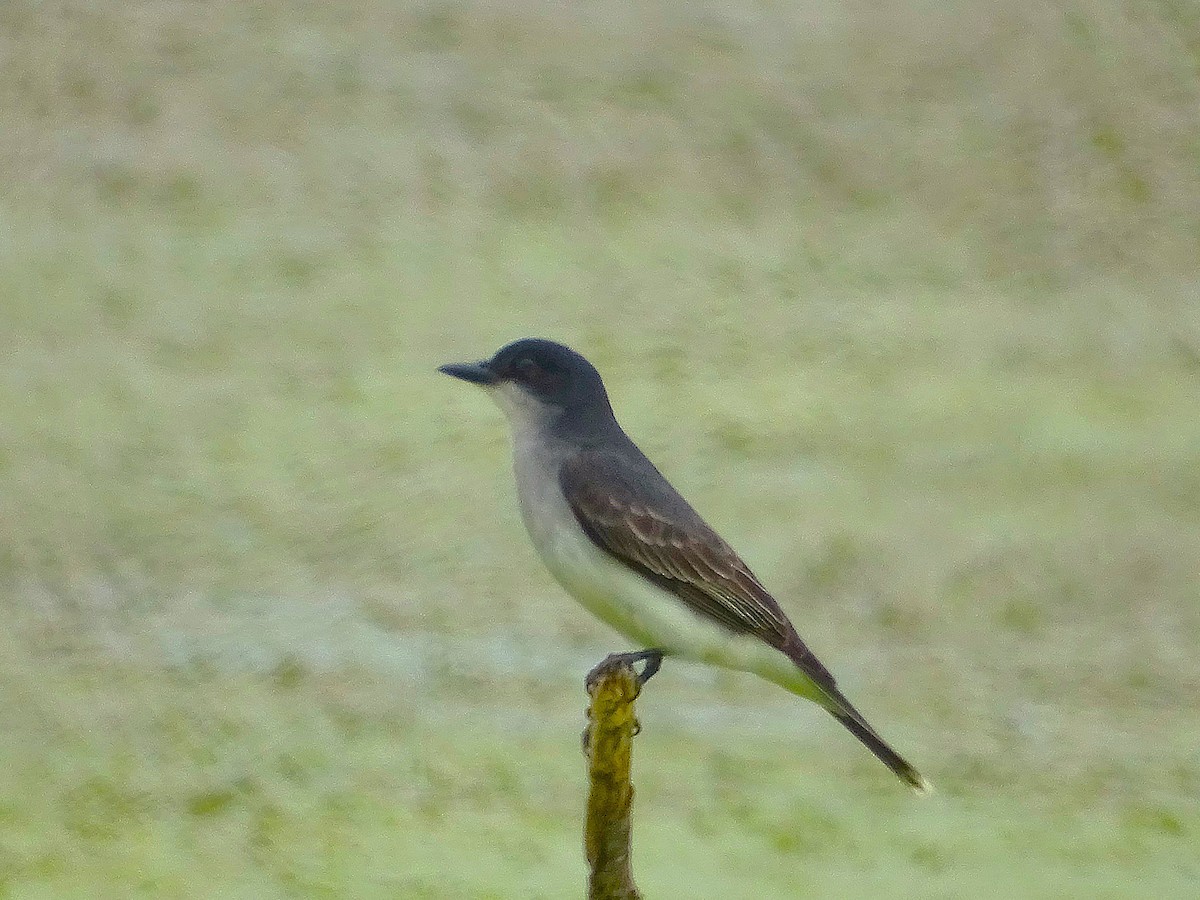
<point x="645" y="524"/>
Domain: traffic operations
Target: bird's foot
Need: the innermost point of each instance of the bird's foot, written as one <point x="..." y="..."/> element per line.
<point x="652" y="660"/>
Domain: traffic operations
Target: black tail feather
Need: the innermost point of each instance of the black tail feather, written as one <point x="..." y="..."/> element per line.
<point x="904" y="770"/>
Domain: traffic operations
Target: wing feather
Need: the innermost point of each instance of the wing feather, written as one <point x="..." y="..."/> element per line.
<point x="652" y="529"/>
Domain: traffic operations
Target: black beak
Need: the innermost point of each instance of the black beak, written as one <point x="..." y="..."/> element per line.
<point x="476" y="373"/>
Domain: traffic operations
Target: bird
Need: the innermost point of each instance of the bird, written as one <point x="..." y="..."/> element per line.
<point x="616" y="535"/>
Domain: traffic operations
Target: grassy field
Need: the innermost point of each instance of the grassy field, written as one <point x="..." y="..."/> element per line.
<point x="903" y="295"/>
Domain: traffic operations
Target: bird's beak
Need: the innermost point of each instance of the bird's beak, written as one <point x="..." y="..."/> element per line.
<point x="476" y="373"/>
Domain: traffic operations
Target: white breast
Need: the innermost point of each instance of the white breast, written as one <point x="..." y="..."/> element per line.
<point x="616" y="595"/>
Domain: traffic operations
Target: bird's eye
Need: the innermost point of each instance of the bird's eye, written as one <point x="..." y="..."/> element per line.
<point x="542" y="377"/>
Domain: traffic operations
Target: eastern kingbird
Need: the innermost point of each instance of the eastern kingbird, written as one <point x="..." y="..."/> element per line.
<point x="615" y="534"/>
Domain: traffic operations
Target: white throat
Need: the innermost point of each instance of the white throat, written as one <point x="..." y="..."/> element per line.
<point x="526" y="414"/>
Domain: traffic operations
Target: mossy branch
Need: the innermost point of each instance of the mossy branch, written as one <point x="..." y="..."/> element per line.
<point x="608" y="745"/>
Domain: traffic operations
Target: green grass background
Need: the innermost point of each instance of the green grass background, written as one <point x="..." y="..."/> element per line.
<point x="902" y="294"/>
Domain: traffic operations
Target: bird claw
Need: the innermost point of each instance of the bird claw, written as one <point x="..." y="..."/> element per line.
<point x="652" y="660"/>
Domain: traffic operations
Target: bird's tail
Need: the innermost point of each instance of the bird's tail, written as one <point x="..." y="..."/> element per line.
<point x="857" y="726"/>
<point x="808" y="678"/>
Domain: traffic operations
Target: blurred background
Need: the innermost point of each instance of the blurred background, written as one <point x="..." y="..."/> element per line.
<point x="903" y="296"/>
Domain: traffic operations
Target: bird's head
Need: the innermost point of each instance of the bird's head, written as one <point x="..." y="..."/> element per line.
<point x="536" y="379"/>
